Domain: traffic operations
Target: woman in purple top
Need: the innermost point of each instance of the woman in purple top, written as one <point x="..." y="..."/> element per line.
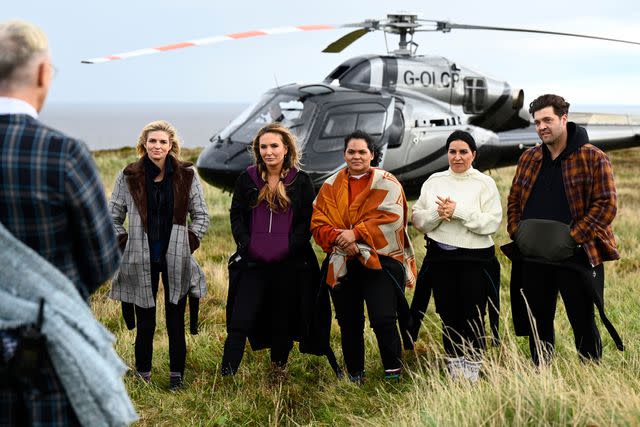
<point x="270" y="217"/>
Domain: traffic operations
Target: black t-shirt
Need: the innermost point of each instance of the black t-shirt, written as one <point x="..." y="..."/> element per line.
<point x="548" y="199"/>
<point x="159" y="209"/>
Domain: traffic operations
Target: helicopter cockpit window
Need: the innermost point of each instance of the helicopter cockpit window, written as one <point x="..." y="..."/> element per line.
<point x="339" y="125"/>
<point x="475" y="92"/>
<point x="238" y="121"/>
<point x="358" y="76"/>
<point x="372" y="123"/>
<point x="282" y="108"/>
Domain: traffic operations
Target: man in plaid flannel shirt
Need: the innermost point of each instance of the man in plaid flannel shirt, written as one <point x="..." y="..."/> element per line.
<point x="567" y="180"/>
<point x="52" y="199"/>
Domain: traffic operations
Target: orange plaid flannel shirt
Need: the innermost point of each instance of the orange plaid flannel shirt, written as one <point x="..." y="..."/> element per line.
<point x="591" y="193"/>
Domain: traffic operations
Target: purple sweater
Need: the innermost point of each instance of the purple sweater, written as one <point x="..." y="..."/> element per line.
<point x="269" y="230"/>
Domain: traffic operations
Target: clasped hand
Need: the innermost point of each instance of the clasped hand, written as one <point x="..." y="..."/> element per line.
<point x="346" y="241"/>
<point x="446" y="207"/>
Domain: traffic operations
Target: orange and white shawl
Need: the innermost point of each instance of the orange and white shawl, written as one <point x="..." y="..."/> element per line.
<point x="378" y="213"/>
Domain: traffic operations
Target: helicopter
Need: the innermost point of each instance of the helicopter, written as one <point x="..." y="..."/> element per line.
<point x="409" y="103"/>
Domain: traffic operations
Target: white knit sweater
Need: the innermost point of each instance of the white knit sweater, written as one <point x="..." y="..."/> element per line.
<point x="477" y="215"/>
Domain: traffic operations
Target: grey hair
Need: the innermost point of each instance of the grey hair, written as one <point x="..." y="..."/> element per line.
<point x="21" y="42"/>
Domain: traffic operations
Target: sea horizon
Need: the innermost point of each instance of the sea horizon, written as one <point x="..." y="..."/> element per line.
<point x="104" y="126"/>
<point x="115" y="125"/>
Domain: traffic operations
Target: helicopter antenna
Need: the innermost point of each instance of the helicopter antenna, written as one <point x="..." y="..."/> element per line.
<point x="276" y="80"/>
<point x="413" y="46"/>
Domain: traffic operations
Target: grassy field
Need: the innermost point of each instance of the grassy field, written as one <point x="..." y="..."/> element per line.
<point x="512" y="392"/>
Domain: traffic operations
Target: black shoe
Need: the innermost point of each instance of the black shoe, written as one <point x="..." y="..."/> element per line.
<point x="144" y="376"/>
<point x="227" y="371"/>
<point x="175" y="382"/>
<point x="357" y="378"/>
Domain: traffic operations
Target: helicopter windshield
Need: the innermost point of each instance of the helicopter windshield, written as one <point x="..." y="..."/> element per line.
<point x="235" y="123"/>
<point x="287" y="109"/>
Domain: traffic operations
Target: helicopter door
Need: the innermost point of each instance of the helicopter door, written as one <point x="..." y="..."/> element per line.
<point x="337" y="121"/>
<point x="396" y="129"/>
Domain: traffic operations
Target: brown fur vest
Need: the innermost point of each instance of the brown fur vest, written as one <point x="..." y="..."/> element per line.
<point x="182" y="179"/>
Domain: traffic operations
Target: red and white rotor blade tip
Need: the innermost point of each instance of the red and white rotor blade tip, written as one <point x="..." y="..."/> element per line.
<point x="207" y="41"/>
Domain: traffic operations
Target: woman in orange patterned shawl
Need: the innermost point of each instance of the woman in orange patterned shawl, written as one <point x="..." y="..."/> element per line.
<point x="360" y="219"/>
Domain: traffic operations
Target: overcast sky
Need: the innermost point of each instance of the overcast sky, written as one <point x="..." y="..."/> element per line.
<point x="585" y="72"/>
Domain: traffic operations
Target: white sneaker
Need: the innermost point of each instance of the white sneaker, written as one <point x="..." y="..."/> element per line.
<point x="472" y="370"/>
<point x="456" y="367"/>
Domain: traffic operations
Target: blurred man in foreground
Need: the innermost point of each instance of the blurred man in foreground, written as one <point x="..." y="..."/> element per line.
<point x="54" y="220"/>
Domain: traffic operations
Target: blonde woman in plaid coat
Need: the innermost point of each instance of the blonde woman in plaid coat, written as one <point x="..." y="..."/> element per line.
<point x="157" y="192"/>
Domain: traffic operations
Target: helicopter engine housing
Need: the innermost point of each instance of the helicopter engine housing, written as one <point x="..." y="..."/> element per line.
<point x="476" y="98"/>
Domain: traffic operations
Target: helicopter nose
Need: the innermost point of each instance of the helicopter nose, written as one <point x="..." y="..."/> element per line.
<point x="220" y="167"/>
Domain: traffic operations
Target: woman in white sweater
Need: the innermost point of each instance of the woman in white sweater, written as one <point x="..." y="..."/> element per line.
<point x="458" y="210"/>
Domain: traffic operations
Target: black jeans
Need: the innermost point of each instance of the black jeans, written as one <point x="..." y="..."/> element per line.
<point x="268" y="289"/>
<point x="146" y="318"/>
<point x="460" y="294"/>
<point x="377" y="289"/>
<point x="541" y="284"/>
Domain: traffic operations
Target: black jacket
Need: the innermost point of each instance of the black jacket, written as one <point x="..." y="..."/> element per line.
<point x="314" y="327"/>
<point x="245" y="194"/>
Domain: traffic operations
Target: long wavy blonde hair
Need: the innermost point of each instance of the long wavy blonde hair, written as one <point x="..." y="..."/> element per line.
<point x="276" y="199"/>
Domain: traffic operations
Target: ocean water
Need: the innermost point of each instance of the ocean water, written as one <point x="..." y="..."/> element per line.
<point x="105" y="126"/>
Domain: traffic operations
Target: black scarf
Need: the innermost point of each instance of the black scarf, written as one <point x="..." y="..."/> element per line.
<point x="159" y="207"/>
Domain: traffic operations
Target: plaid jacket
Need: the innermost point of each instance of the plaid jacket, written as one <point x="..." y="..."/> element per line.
<point x="591" y="193"/>
<point x="52" y="199"/>
<point x="132" y="282"/>
<point x="44" y="404"/>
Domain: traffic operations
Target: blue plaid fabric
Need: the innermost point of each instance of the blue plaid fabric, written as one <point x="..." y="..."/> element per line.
<point x="52" y="199"/>
<point x="8" y="346"/>
<point x="43" y="403"/>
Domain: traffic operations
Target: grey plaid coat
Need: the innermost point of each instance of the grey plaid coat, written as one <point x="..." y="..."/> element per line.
<point x="132" y="282"/>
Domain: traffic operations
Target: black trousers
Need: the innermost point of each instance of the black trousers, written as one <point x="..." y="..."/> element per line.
<point x="377" y="289"/>
<point x="146" y="319"/>
<point x="541" y="284"/>
<point x="268" y="289"/>
<point x="460" y="294"/>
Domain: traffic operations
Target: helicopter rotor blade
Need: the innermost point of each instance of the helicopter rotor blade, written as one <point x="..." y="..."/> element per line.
<point x="207" y="41"/>
<point x="371" y="24"/>
<point x="400" y="24"/>
<point x="445" y="27"/>
<point x="344" y="41"/>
